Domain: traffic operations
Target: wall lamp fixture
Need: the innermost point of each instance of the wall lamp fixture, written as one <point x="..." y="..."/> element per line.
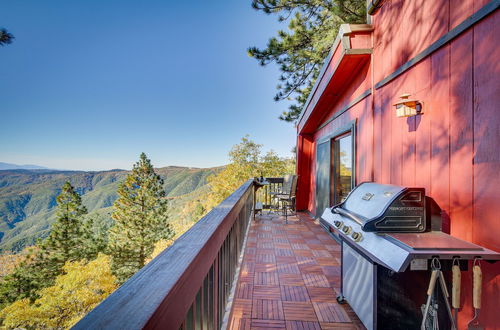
<point x="407" y="107"/>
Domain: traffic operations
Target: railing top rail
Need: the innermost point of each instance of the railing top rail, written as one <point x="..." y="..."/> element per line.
<point x="171" y="280"/>
<point x="275" y="180"/>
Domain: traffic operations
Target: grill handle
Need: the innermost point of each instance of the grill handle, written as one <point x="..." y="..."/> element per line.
<point x="348" y="214"/>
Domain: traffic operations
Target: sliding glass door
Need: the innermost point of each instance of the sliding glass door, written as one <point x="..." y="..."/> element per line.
<point x="335" y="167"/>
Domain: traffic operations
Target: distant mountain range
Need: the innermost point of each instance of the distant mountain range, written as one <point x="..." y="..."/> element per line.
<point x="28" y="197"/>
<point x="9" y="166"/>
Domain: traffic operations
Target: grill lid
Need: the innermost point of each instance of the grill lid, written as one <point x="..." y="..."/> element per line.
<point x="370" y="199"/>
<point x="385" y="208"/>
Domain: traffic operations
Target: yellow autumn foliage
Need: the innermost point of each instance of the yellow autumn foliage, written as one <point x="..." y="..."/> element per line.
<point x="247" y="161"/>
<point x="74" y="294"/>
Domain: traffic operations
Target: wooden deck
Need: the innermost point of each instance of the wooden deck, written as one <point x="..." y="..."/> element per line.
<point x="289" y="278"/>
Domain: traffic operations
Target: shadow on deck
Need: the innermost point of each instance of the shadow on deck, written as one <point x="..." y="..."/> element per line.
<point x="289" y="278"/>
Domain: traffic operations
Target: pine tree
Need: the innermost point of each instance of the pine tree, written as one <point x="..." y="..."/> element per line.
<point x="5" y="37"/>
<point x="141" y="220"/>
<point x="65" y="242"/>
<point x="301" y="49"/>
<point x="94" y="236"/>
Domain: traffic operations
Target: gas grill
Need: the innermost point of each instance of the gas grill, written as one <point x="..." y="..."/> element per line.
<point x="389" y="236"/>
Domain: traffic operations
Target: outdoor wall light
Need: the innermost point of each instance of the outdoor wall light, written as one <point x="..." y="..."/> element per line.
<point x="407" y="107"/>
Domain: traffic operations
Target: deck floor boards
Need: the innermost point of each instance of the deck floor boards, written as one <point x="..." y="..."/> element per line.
<point x="289" y="278"/>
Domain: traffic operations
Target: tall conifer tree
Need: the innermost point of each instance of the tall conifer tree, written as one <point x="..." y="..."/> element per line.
<point x="65" y="241"/>
<point x="300" y="50"/>
<point x="140" y="220"/>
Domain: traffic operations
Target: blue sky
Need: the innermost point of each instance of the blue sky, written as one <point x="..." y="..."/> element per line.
<point x="91" y="84"/>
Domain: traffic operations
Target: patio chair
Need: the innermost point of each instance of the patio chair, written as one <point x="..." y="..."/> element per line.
<point x="283" y="190"/>
<point x="288" y="200"/>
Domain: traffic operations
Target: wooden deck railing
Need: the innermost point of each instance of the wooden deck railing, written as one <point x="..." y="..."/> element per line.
<point x="187" y="285"/>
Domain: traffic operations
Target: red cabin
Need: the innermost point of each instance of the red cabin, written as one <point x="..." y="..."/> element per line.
<point x="444" y="54"/>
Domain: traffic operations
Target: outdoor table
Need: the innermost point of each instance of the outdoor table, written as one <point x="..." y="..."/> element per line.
<point x="258" y="184"/>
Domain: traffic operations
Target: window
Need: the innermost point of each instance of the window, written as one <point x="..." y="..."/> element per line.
<point x="342" y="168"/>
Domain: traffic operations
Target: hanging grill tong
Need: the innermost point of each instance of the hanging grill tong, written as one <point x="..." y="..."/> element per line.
<point x="436" y="275"/>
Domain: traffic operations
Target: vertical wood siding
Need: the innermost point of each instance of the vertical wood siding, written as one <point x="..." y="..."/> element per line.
<point x="453" y="149"/>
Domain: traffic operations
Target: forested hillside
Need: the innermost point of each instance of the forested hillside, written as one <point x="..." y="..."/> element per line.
<point x="28" y="197"/>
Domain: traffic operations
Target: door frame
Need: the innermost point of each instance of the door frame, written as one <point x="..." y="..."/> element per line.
<point x="349" y="127"/>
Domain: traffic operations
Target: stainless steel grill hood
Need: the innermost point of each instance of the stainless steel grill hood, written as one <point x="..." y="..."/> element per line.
<point x="387" y="208"/>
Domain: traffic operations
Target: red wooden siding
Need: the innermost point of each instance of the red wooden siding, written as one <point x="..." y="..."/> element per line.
<point x="452" y="150"/>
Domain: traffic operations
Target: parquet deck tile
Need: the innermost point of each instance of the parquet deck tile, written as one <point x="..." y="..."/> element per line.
<point x="331" y="270"/>
<point x="266" y="292"/>
<point x="282" y="245"/>
<point x="241" y="324"/>
<point x="325" y="294"/>
<point x="302" y="325"/>
<point x="285" y="259"/>
<point x="250" y="251"/>
<point x="299" y="311"/>
<point x="270" y="278"/>
<point x="308" y="269"/>
<point x="279" y="231"/>
<point x="245" y="290"/>
<point x="266" y="268"/>
<point x="299" y="246"/>
<point x="314" y="242"/>
<point x="242" y="308"/>
<point x="323" y="261"/>
<point x="280" y="239"/>
<point x="296" y="240"/>
<point x="288" y="268"/>
<point x="284" y="252"/>
<point x="294" y="293"/>
<point x="265" y="258"/>
<point x="267" y="309"/>
<point x="252" y="244"/>
<point x="305" y="260"/>
<point x="264" y="251"/>
<point x="265" y="245"/>
<point x="290" y="278"/>
<point x="267" y="324"/>
<point x="316" y="246"/>
<point x="339" y="326"/>
<point x="330" y="312"/>
<point x="321" y="253"/>
<point x="303" y="253"/>
<point x="317" y="280"/>
<point x="330" y="247"/>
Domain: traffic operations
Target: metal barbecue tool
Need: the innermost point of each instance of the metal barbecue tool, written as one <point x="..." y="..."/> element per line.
<point x="477" y="281"/>
<point x="455" y="290"/>
<point x="435" y="276"/>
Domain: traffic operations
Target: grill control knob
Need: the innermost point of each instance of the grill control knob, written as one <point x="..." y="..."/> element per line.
<point x="357" y="237"/>
<point x="346" y="229"/>
<point x="338" y="223"/>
